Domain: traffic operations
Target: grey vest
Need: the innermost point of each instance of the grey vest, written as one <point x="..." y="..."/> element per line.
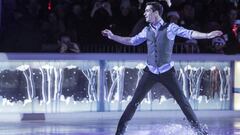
<point x="159" y="47"/>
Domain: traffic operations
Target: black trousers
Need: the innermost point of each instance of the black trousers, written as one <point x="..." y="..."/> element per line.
<point x="169" y="80"/>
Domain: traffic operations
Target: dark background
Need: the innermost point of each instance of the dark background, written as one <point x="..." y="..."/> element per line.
<point x="37" y="25"/>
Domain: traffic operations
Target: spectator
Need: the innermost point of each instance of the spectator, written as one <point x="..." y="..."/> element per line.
<point x="101" y="4"/>
<point x="173" y="17"/>
<point x="230" y="27"/>
<point x="218" y="44"/>
<point x="77" y="23"/>
<point x="191" y="46"/>
<point x="188" y="16"/>
<point x="126" y="18"/>
<point x="100" y="11"/>
<point x="51" y="29"/>
<point x="67" y="46"/>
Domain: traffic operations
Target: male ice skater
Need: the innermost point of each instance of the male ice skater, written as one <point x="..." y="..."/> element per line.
<point x="160" y="39"/>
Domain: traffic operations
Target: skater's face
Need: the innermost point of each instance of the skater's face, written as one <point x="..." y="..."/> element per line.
<point x="150" y="15"/>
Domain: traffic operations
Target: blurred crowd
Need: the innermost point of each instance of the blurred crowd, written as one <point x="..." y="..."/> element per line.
<point x="75" y="25"/>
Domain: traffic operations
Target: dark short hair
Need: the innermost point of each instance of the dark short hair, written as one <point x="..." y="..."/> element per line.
<point x="156" y="6"/>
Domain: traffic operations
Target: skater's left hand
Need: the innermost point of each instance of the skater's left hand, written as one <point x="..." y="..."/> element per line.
<point x="214" y="34"/>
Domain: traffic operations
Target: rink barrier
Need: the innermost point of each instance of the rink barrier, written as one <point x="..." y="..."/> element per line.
<point x="116" y="57"/>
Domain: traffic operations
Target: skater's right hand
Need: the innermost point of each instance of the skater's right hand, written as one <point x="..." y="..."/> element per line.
<point x="168" y="2"/>
<point x="107" y="33"/>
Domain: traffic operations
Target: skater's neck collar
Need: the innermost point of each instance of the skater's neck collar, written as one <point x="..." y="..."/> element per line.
<point x="157" y="23"/>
